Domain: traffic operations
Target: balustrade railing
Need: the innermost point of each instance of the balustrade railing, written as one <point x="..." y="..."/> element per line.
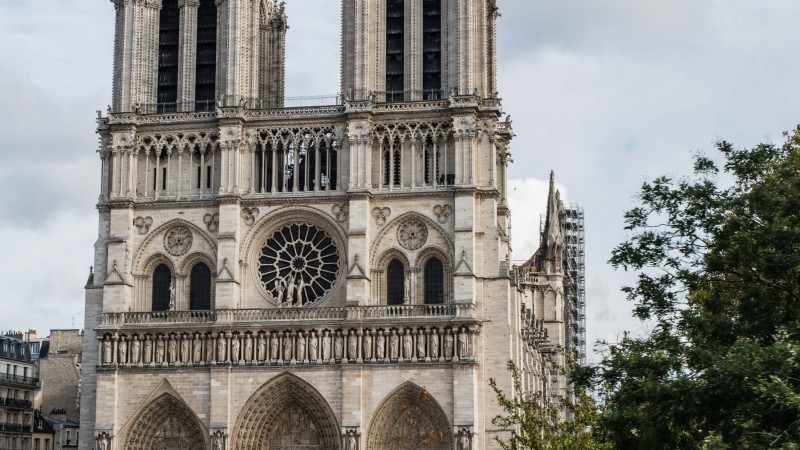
<point x="15" y="428"/>
<point x="15" y="403"/>
<point x="454" y="311"/>
<point x="19" y="379"/>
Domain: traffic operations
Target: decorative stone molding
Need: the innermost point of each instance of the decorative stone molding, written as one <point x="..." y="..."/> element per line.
<point x="212" y="222"/>
<point x="381" y="215"/>
<point x="250" y="215"/>
<point x="443" y="213"/>
<point x="341" y="212"/>
<point x="412" y="234"/>
<point x="390" y="344"/>
<point x="143" y="224"/>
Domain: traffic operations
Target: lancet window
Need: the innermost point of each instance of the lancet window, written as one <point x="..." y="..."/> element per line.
<point x="200" y="288"/>
<point x="395" y="50"/>
<point x="283" y="164"/>
<point x="432" y="49"/>
<point x="169" y="26"/>
<point x="434" y="282"/>
<point x="395" y="283"/>
<point x="162" y="288"/>
<point x="393" y="163"/>
<point x="206" y="64"/>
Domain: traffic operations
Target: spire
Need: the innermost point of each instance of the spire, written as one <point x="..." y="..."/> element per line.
<point x="553" y="238"/>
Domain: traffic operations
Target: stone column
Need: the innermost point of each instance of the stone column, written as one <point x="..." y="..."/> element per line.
<point x="187" y="53"/>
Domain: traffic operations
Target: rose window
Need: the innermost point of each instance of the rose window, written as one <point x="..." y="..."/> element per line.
<point x="299" y="265"/>
<point x="412" y="234"/>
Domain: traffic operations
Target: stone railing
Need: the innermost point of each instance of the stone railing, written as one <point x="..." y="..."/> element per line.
<point x="289" y="345"/>
<point x="328" y="315"/>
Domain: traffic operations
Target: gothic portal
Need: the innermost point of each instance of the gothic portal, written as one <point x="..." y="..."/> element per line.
<point x="330" y="276"/>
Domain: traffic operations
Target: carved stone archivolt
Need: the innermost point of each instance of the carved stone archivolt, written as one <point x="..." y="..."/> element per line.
<point x="410" y="418"/>
<point x="167" y="424"/>
<point x="412" y="234"/>
<point x="311" y="346"/>
<point x="287" y="413"/>
<point x="143" y="224"/>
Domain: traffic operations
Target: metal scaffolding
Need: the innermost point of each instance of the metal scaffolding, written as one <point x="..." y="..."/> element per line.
<point x="575" y="279"/>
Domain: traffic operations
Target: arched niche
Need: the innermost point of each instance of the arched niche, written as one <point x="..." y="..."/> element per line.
<point x="166" y="424"/>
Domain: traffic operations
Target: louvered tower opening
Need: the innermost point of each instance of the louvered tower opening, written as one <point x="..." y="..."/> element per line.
<point x="395" y="50"/>
<point x="432" y="49"/>
<point x="206" y="70"/>
<point x="169" y="25"/>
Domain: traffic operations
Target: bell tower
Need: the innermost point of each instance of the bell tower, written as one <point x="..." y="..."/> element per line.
<point x="408" y="50"/>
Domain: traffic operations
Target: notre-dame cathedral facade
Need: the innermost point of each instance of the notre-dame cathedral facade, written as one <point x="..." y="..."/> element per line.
<point x="274" y="275"/>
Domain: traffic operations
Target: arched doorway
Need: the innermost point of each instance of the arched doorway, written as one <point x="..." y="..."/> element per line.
<point x="410" y="419"/>
<point x="167" y="424"/>
<point x="287" y="413"/>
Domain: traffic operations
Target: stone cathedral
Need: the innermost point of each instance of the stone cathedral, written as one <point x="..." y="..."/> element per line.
<point x="276" y="275"/>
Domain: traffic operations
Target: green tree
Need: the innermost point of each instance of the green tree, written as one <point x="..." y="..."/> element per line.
<point x="718" y="262"/>
<point x="538" y="423"/>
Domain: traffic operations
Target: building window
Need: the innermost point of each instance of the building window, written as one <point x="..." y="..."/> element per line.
<point x="432" y="49"/>
<point x="200" y="288"/>
<point x="162" y="287"/>
<point x="36" y="444"/>
<point x="47" y="444"/>
<point x="206" y="73"/>
<point x="169" y="26"/>
<point x="395" y="283"/>
<point x="395" y="50"/>
<point x="434" y="282"/>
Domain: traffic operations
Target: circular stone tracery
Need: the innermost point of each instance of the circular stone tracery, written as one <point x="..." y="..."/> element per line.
<point x="412" y="234"/>
<point x="298" y="265"/>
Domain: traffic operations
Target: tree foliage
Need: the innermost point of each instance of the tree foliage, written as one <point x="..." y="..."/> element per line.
<point x="537" y="421"/>
<point x="718" y="262"/>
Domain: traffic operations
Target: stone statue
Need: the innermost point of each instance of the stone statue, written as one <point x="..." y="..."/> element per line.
<point x="420" y="345"/>
<point x="262" y="348"/>
<point x="434" y="344"/>
<point x="287" y="347"/>
<point x="209" y="349"/>
<point x="107" y="351"/>
<point x="274" y="350"/>
<point x="103" y="441"/>
<point x="380" y="346"/>
<point x="448" y="345"/>
<point x="290" y="291"/>
<point x="280" y="287"/>
<point x="338" y="343"/>
<point x="463" y="440"/>
<point x="326" y="346"/>
<point x="312" y="346"/>
<point x="248" y="348"/>
<point x="301" y="291"/>
<point x="394" y="346"/>
<point x="185" y="344"/>
<point x="408" y="345"/>
<point x="351" y="441"/>
<point x="406" y="289"/>
<point x="197" y="349"/>
<point x="301" y="346"/>
<point x="368" y="345"/>
<point x="462" y="345"/>
<point x="235" y="345"/>
<point x="221" y="347"/>
<point x="352" y="346"/>
<point x="123" y="351"/>
<point x="159" y="351"/>
<point x="148" y="350"/>
<point x="218" y="444"/>
<point x="173" y="350"/>
<point x="135" y="350"/>
<point x="171" y="297"/>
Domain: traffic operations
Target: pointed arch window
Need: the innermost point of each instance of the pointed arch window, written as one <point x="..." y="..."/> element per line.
<point x="434" y="282"/>
<point x="206" y="64"/>
<point x="200" y="288"/>
<point x="395" y="283"/>
<point x="162" y="283"/>
<point x="168" y="29"/>
<point x="395" y="50"/>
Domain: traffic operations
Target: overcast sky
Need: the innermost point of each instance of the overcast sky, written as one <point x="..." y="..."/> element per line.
<point x="607" y="93"/>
